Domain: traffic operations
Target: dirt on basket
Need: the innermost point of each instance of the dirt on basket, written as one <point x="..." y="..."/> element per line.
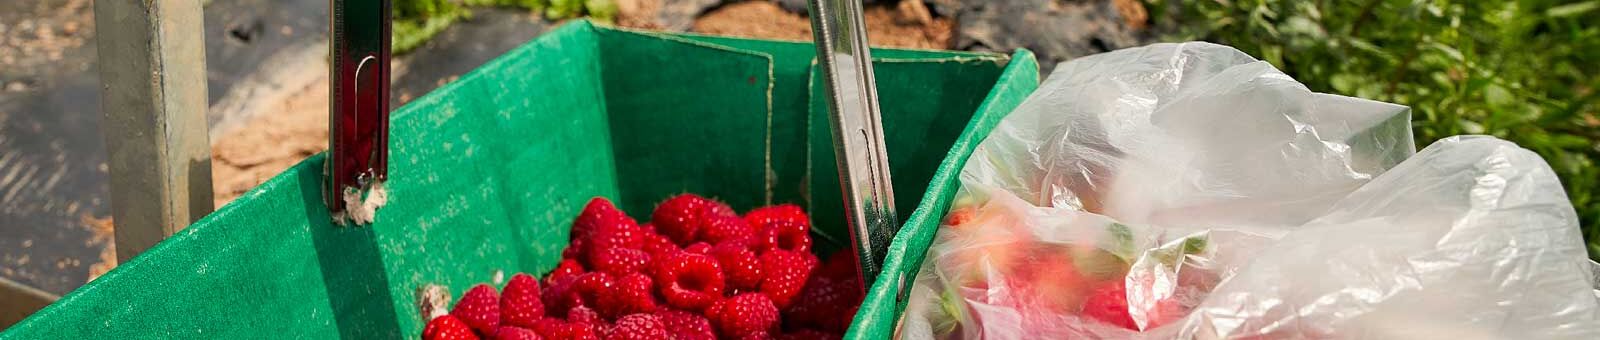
<point x="908" y="25"/>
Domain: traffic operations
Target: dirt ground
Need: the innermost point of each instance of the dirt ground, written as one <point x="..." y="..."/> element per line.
<point x="908" y="25"/>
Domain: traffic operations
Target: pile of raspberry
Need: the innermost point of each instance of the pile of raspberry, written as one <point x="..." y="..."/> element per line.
<point x="696" y="270"/>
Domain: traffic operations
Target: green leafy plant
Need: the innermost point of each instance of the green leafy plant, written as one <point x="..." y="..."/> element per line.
<point x="416" y="21"/>
<point x="1522" y="70"/>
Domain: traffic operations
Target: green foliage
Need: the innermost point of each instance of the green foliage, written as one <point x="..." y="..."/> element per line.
<point x="416" y="21"/>
<point x="560" y="9"/>
<point x="603" y="10"/>
<point x="1522" y="70"/>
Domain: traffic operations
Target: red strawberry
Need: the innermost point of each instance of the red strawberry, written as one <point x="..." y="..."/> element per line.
<point x="631" y="295"/>
<point x="689" y="281"/>
<point x="683" y="325"/>
<point x="638" y="327"/>
<point x="762" y="217"/>
<point x="519" y="302"/>
<point x="587" y="289"/>
<point x="719" y="228"/>
<point x="743" y="315"/>
<point x="515" y="333"/>
<point x="808" y="334"/>
<point x="960" y="216"/>
<point x="701" y="248"/>
<point x="786" y="235"/>
<point x="740" y="265"/>
<point x="447" y="327"/>
<point x="598" y="210"/>
<point x="786" y="273"/>
<point x="479" y="308"/>
<point x="659" y="246"/>
<point x="566" y="269"/>
<point x="620" y="261"/>
<point x="1109" y="304"/>
<point x="679" y="217"/>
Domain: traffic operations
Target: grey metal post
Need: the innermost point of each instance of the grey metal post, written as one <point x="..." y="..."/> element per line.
<point x="841" y="38"/>
<point x="153" y="95"/>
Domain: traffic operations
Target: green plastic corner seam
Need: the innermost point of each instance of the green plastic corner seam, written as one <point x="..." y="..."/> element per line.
<point x="769" y="174"/>
<point x="912" y="239"/>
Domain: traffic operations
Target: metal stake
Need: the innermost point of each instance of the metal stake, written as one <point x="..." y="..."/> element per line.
<point x="153" y="77"/>
<point x="358" y="120"/>
<point x="841" y="39"/>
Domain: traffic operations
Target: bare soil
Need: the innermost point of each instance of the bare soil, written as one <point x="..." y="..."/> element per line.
<point x="908" y="25"/>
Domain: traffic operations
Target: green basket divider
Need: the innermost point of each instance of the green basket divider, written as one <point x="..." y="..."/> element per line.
<point x="488" y="172"/>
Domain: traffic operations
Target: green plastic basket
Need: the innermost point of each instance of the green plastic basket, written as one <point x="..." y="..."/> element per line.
<point x="488" y="172"/>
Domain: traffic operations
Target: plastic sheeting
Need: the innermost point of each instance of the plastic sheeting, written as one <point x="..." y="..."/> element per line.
<point x="1191" y="191"/>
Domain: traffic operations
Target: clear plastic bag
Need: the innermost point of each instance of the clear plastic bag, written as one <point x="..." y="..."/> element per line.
<point x="1190" y="191"/>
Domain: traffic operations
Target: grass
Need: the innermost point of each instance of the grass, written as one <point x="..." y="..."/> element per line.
<point x="417" y="21"/>
<point x="1522" y="70"/>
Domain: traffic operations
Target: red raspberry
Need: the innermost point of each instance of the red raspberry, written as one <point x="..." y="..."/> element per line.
<point x="786" y="235"/>
<point x="842" y="264"/>
<point x="683" y="325"/>
<point x="701" y="248"/>
<point x="786" y="273"/>
<point x="841" y="321"/>
<point x="519" y="302"/>
<point x="689" y="281"/>
<point x="479" y="308"/>
<point x="447" y="327"/>
<point x="557" y="329"/>
<point x="598" y="210"/>
<point x="620" y="261"/>
<point x="762" y="217"/>
<point x="615" y="233"/>
<point x="584" y="317"/>
<point x="740" y="265"/>
<point x="554" y="295"/>
<point x="678" y="218"/>
<point x="568" y="268"/>
<point x="638" y="327"/>
<point x="575" y="250"/>
<point x="719" y="228"/>
<point x="808" y="334"/>
<point x="631" y="295"/>
<point x="649" y="228"/>
<point x="515" y="333"/>
<point x="743" y="315"/>
<point x="762" y="335"/>
<point x="822" y="302"/>
<point x="587" y="289"/>
<point x="1109" y="304"/>
<point x="659" y="246"/>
